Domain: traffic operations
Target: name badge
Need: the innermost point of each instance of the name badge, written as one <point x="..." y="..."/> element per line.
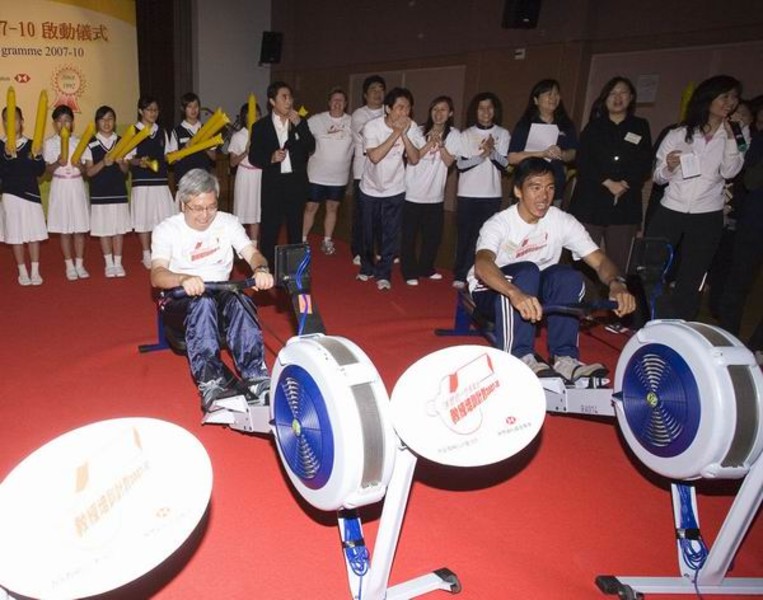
<point x="633" y="138"/>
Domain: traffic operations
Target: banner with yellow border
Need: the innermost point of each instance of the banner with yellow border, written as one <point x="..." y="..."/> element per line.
<point x="84" y="53"/>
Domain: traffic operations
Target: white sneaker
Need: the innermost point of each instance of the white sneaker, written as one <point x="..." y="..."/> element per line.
<point x="110" y="272"/>
<point x="146" y="262"/>
<point x="435" y="276"/>
<point x="356" y="260"/>
<point x="71" y="274"/>
<point x="458" y="284"/>
<point x="413" y="282"/>
<point x="383" y="284"/>
<point x="119" y="271"/>
<point x="24" y="280"/>
<point x="538" y="367"/>
<point x="81" y="272"/>
<point x="363" y="277"/>
<point x="572" y="369"/>
<point x="396" y="260"/>
<point x="36" y="279"/>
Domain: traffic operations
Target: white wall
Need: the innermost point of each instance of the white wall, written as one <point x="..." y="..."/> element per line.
<point x="226" y="37"/>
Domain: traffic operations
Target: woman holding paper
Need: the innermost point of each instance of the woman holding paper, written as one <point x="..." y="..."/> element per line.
<point x="151" y="200"/>
<point x="614" y="161"/>
<point x="694" y="160"/>
<point x="246" y="188"/>
<point x="546" y="131"/>
<point x="24" y="220"/>
<point x="68" y="210"/>
<point x="109" y="213"/>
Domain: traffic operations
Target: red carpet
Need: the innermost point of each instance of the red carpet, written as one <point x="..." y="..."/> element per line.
<point x="542" y="525"/>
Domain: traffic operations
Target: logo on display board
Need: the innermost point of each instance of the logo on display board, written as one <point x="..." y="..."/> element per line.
<point x="462" y="393"/>
<point x="22" y="78"/>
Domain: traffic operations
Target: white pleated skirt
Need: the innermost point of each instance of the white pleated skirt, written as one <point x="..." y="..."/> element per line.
<point x="24" y="221"/>
<point x="246" y="195"/>
<point x="68" y="210"/>
<point x="150" y="205"/>
<point x="109" y="219"/>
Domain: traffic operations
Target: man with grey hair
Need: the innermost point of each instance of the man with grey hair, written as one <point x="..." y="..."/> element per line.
<point x="196" y="246"/>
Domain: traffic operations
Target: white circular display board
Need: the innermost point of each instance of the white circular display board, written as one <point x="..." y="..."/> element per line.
<point x="468" y="406"/>
<point x="99" y="506"/>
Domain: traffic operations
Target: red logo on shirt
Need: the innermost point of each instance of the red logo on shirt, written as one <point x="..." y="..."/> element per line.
<point x="199" y="253"/>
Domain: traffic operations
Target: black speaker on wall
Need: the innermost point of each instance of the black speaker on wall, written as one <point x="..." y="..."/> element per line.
<point x="520" y="14"/>
<point x="270" y="50"/>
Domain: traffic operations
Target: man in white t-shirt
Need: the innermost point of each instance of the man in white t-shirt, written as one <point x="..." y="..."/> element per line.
<point x="517" y="268"/>
<point x="328" y="168"/>
<point x="195" y="246"/>
<point x="387" y="141"/>
<point x="374" y="88"/>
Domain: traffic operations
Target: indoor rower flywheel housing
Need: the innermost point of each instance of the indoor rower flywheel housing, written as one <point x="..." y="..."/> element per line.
<point x="689" y="401"/>
<point x="330" y="416"/>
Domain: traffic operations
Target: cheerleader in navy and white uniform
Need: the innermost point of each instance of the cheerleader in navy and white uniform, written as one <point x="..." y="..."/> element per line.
<point x="246" y="188"/>
<point x="183" y="133"/>
<point x="68" y="210"/>
<point x="482" y="160"/>
<point x="151" y="197"/>
<point x="24" y="221"/>
<point x="109" y="213"/>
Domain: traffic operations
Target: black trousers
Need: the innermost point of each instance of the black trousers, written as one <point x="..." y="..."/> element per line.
<point x="696" y="237"/>
<point x="471" y="214"/>
<point x="743" y="269"/>
<point x="424" y="220"/>
<point x="283" y="199"/>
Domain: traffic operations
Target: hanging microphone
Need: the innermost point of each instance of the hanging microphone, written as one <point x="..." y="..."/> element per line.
<point x="736" y="129"/>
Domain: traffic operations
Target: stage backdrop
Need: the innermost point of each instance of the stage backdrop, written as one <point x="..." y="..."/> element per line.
<point x="83" y="52"/>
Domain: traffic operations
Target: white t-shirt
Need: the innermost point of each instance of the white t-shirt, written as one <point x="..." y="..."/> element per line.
<point x="425" y="181"/>
<point x="514" y="240"/>
<point x="359" y="118"/>
<point x="484" y="180"/>
<point x="208" y="253"/>
<point x="237" y="145"/>
<point x="719" y="159"/>
<point x="387" y="177"/>
<point x="334" y="145"/>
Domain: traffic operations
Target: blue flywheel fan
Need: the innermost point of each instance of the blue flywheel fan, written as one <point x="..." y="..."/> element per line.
<point x="329" y="411"/>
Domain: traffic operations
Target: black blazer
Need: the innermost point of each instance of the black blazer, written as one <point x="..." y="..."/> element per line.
<point x="264" y="141"/>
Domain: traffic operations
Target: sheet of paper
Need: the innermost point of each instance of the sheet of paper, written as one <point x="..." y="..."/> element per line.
<point x="541" y="136"/>
<point x="690" y="166"/>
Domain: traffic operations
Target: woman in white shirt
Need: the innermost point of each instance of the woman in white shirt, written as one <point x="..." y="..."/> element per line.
<point x="425" y="193"/>
<point x="694" y="160"/>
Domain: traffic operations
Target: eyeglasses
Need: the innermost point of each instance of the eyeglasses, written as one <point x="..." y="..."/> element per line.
<point x="211" y="209"/>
